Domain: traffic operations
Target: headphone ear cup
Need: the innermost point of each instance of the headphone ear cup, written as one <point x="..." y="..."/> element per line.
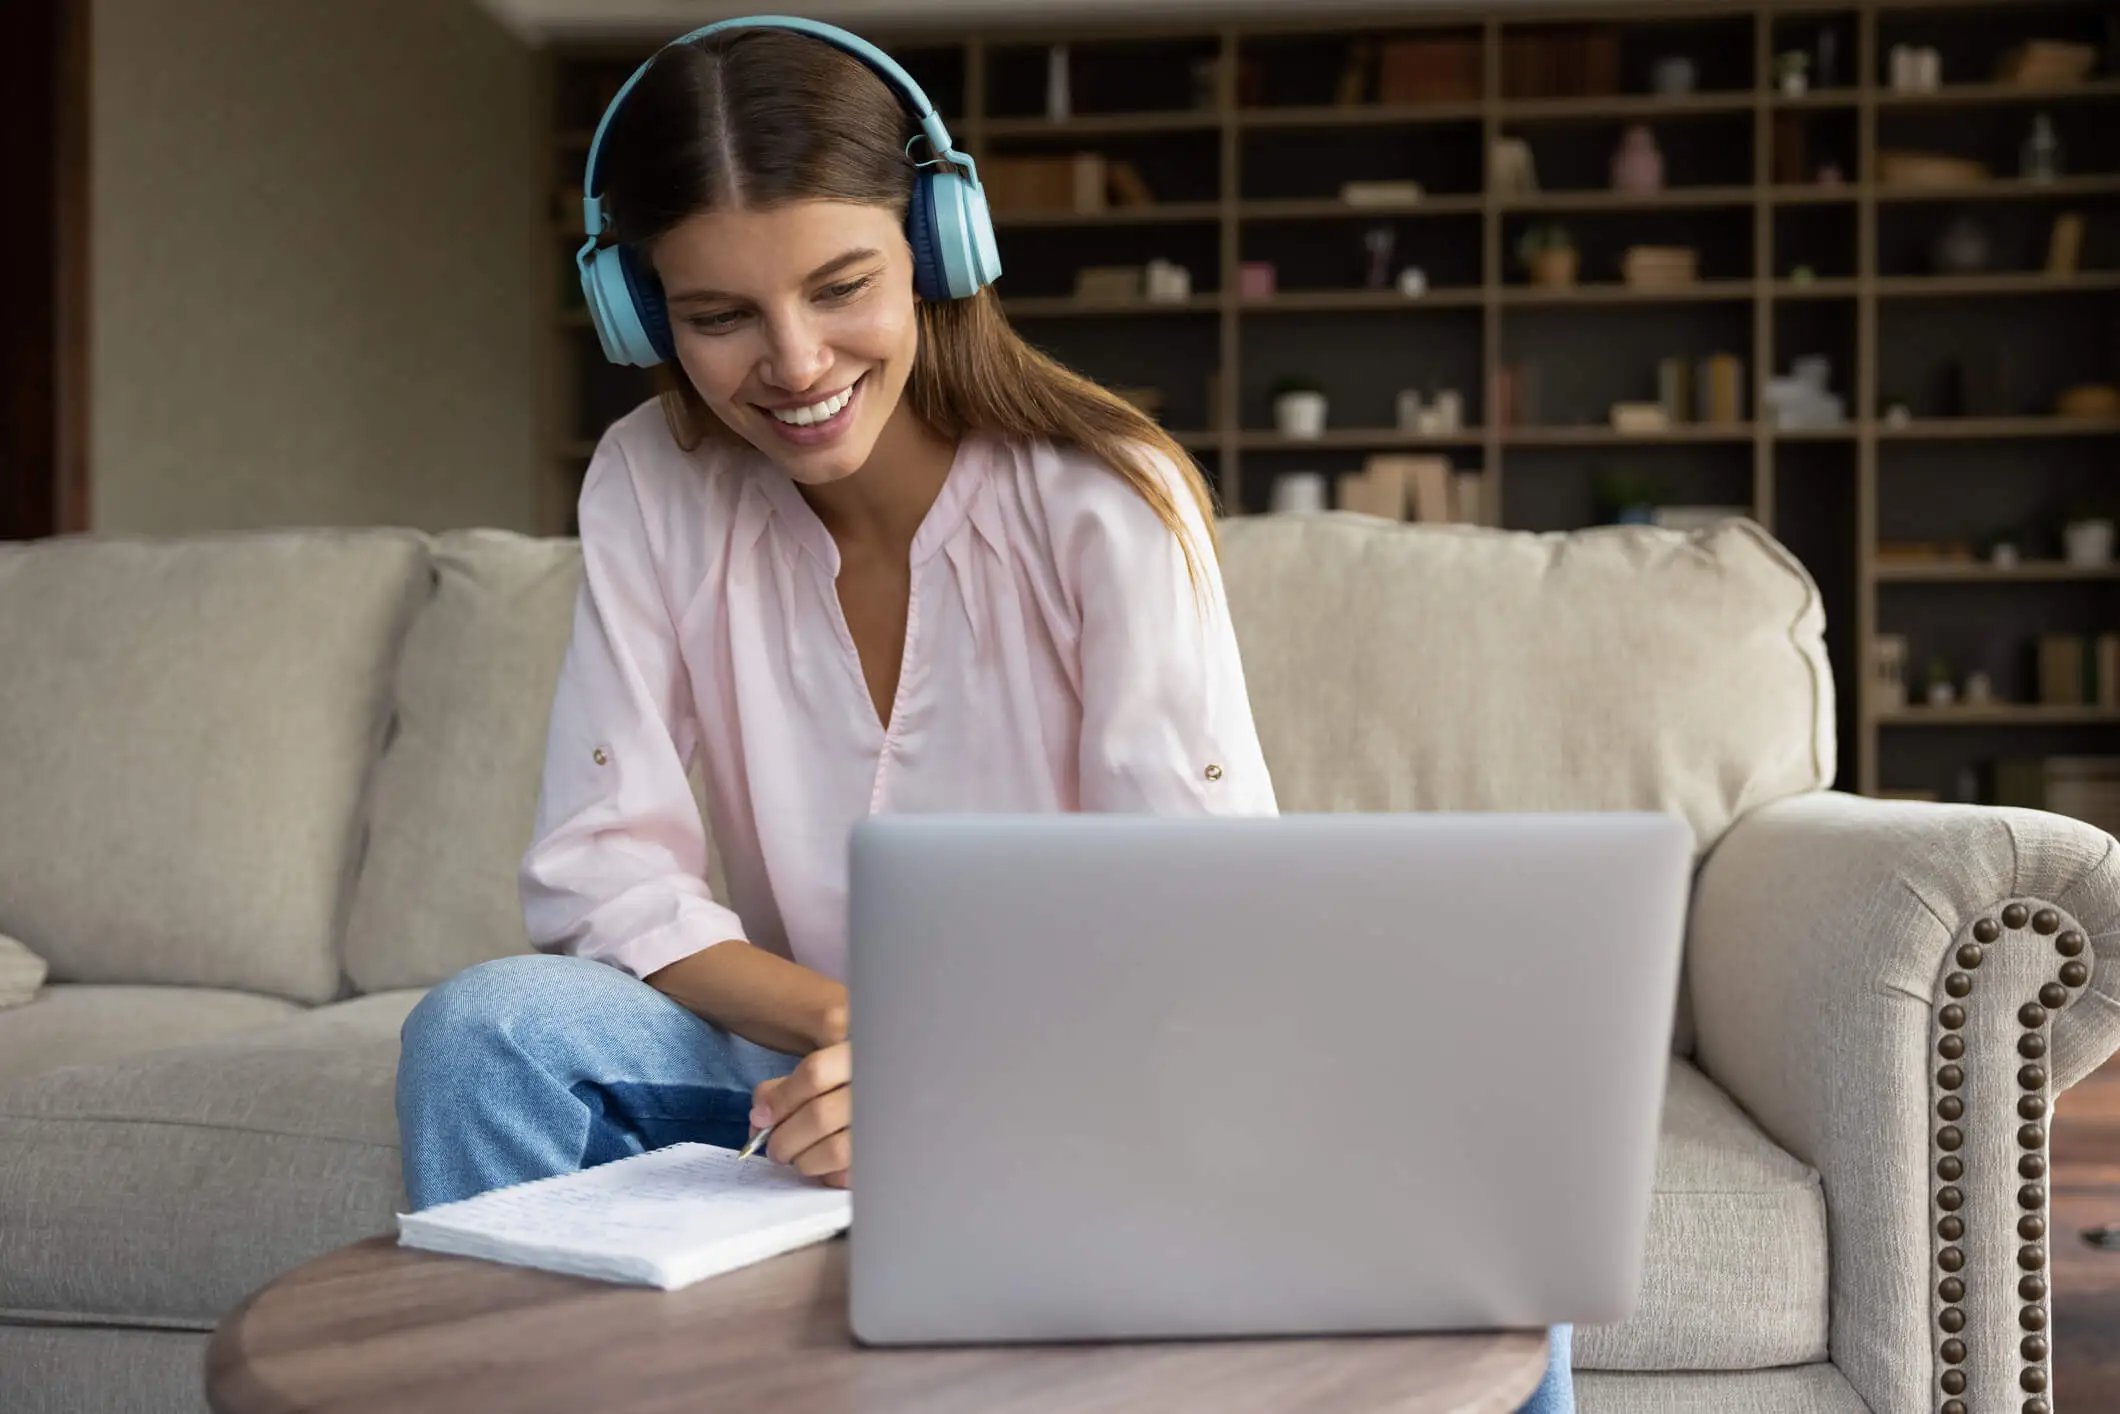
<point x="960" y="233"/>
<point x="930" y="281"/>
<point x="645" y="293"/>
<point x="609" y="290"/>
<point x="983" y="249"/>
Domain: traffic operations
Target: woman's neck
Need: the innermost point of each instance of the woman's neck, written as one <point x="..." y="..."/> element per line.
<point x="882" y="505"/>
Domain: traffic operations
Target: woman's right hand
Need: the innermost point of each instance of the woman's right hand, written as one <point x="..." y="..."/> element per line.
<point x="812" y="1111"/>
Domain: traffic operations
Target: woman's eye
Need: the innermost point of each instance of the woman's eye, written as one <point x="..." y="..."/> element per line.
<point x="846" y="289"/>
<point x="715" y="323"/>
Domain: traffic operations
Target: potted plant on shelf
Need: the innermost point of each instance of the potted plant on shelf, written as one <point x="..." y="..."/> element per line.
<point x="1298" y="407"/>
<point x="1549" y="254"/>
<point x="1628" y="497"/>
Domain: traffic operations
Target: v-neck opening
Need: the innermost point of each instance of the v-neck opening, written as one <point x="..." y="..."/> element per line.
<point x="944" y="516"/>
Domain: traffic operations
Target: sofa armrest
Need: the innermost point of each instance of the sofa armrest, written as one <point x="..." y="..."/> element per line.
<point x="1896" y="991"/>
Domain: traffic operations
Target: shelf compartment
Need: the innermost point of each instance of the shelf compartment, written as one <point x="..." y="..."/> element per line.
<point x="1069" y="306"/>
<point x="1942" y="428"/>
<point x="2029" y="282"/>
<point x="2004" y="189"/>
<point x="1331" y="208"/>
<point x="2008" y="714"/>
<point x="1959" y="95"/>
<point x="1603" y="292"/>
<point x="1348" y="301"/>
<point x="1627" y="107"/>
<point x="1178" y="120"/>
<point x="1158" y="213"/>
<point x="1669" y="199"/>
<point x="2029" y="572"/>
<point x="1355" y="115"/>
<point x="1591" y="435"/>
<point x="1359" y="439"/>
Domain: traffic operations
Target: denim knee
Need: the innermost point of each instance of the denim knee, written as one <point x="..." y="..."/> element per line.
<point x="492" y="998"/>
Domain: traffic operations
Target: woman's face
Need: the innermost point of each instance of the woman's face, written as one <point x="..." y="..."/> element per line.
<point x="796" y="326"/>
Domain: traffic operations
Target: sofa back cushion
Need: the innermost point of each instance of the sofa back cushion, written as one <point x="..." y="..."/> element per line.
<point x="1421" y="667"/>
<point x="451" y="807"/>
<point x="1390" y="667"/>
<point x="184" y="737"/>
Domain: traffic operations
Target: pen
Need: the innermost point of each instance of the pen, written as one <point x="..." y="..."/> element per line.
<point x="756" y="1140"/>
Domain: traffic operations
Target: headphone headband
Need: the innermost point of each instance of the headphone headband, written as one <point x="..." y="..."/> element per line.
<point x="947" y="226"/>
<point x="885" y="67"/>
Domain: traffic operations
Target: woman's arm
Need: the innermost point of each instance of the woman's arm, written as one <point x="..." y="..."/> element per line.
<point x="759" y="996"/>
<point x="616" y="870"/>
<point x="1166" y="722"/>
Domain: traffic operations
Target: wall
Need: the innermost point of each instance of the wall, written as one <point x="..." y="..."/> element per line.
<point x="313" y="227"/>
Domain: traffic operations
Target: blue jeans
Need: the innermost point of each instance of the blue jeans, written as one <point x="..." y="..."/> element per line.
<point x="539" y="1064"/>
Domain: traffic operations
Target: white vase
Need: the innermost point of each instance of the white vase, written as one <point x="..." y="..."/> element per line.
<point x="1299" y="492"/>
<point x="2088" y="542"/>
<point x="1300" y="414"/>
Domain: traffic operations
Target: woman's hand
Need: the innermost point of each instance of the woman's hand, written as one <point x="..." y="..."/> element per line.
<point x="812" y="1109"/>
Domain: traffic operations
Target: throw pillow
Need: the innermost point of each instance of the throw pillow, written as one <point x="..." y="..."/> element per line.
<point x="21" y="973"/>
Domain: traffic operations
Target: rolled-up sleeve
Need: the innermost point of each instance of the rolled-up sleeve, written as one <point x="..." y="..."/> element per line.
<point x="1166" y="722"/>
<point x="616" y="868"/>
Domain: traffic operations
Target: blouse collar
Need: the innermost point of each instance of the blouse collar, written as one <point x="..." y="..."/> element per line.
<point x="944" y="518"/>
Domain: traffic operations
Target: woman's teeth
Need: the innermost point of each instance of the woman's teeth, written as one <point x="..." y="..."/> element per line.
<point x="815" y="412"/>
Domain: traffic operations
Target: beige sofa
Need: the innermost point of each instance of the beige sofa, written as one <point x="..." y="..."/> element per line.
<point x="261" y="789"/>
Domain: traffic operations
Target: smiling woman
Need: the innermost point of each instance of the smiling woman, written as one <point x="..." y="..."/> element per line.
<point x="869" y="552"/>
<point x="764" y="177"/>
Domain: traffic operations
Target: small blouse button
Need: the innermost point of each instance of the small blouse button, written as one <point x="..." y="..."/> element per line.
<point x="602" y="757"/>
<point x="1214" y="772"/>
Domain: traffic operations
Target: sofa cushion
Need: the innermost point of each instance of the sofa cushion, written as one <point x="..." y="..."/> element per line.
<point x="455" y="791"/>
<point x="1735" y="1269"/>
<point x="1423" y="667"/>
<point x="168" y="1185"/>
<point x="192" y="721"/>
<point x="81" y="1023"/>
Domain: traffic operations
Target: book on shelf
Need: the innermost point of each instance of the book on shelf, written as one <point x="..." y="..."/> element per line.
<point x="1674" y="388"/>
<point x="2078" y="670"/>
<point x="1561" y="61"/>
<point x="1407" y="486"/>
<point x="1063" y="182"/>
<point x="1718" y="389"/>
<point x="1640" y="417"/>
<point x="1380" y="193"/>
<point x="1649" y="267"/>
<point x="1372" y="491"/>
<point x="1434" y="70"/>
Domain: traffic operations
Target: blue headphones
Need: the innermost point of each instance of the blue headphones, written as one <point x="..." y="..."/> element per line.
<point x="946" y="223"/>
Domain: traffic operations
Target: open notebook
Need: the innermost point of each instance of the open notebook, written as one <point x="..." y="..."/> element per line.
<point x="665" y="1218"/>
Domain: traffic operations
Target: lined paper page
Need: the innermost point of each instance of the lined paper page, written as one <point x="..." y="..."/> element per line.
<point x="664" y="1218"/>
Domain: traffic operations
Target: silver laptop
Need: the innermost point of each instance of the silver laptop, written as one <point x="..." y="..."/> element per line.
<point x="1128" y="1077"/>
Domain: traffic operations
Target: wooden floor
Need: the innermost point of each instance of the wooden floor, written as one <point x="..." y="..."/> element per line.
<point x="2086" y="1194"/>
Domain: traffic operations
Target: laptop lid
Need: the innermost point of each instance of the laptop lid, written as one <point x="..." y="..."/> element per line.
<point x="1135" y="1076"/>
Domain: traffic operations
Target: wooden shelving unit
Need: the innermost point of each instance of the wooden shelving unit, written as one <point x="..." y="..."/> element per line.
<point x="1249" y="172"/>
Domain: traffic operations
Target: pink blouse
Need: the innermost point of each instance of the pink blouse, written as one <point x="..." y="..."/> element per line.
<point x="1056" y="658"/>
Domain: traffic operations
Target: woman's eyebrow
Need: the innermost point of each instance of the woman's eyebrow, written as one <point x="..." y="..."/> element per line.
<point x="837" y="262"/>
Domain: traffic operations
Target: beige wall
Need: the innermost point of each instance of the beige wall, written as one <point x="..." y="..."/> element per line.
<point x="317" y="229"/>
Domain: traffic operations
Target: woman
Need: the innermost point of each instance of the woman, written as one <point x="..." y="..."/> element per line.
<point x="869" y="552"/>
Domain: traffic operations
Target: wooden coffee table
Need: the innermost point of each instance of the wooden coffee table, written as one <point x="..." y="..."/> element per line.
<point x="379" y="1327"/>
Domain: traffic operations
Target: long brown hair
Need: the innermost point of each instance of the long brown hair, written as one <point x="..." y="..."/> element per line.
<point x="761" y="117"/>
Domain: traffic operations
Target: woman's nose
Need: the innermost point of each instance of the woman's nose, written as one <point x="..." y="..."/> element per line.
<point x="795" y="356"/>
